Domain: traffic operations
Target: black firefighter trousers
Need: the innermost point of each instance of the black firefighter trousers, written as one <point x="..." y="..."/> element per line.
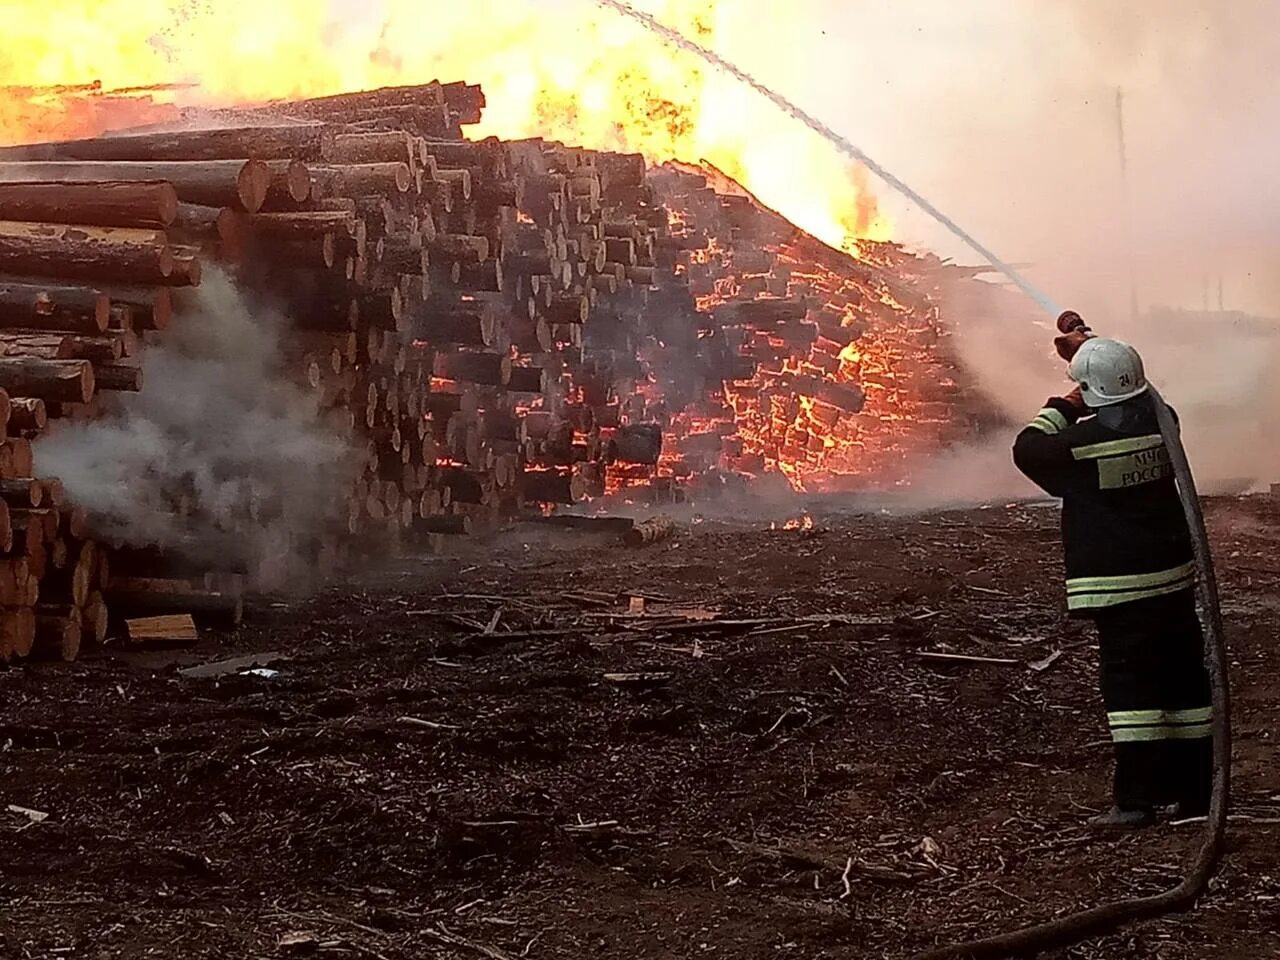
<point x="1159" y="705"/>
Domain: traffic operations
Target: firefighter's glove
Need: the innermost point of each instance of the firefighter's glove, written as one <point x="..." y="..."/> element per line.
<point x="1077" y="402"/>
<point x="1069" y="343"/>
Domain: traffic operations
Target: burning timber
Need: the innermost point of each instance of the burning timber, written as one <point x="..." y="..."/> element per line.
<point x="497" y="329"/>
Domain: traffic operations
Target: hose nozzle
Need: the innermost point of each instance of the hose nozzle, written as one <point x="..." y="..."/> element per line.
<point x="1069" y="322"/>
<point x="1074" y="333"/>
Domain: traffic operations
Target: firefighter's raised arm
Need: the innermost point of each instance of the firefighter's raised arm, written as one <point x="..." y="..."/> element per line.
<point x="1042" y="451"/>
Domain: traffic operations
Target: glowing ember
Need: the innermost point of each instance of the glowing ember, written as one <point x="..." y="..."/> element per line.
<point x="847" y="373"/>
<point x="795" y="523"/>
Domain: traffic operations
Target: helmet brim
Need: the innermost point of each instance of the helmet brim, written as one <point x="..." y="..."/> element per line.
<point x="1095" y="400"/>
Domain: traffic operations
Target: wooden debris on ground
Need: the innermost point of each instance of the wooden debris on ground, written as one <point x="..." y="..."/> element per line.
<point x="172" y="629"/>
<point x="646" y="680"/>
<point x="649" y="531"/>
<point x="960" y="658"/>
<point x="232" y="665"/>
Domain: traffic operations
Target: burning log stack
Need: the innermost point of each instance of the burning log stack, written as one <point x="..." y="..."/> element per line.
<point x="854" y="372"/>
<point x="473" y="274"/>
<point x="496" y="328"/>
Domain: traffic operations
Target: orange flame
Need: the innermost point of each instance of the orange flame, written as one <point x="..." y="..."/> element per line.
<point x="795" y="523"/>
<point x="559" y="71"/>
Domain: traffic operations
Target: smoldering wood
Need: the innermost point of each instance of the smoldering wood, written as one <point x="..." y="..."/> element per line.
<point x="267" y="142"/>
<point x="117" y="377"/>
<point x="290" y="184"/>
<point x="106" y="203"/>
<point x="218" y="183"/>
<point x="467" y="323"/>
<point x="28" y="413"/>
<point x="367" y="179"/>
<point x="610" y="525"/>
<point x="17" y="632"/>
<point x="652" y="530"/>
<point x="454" y="525"/>
<point x="526" y="379"/>
<point x="636" y="443"/>
<point x="394" y="146"/>
<point x="25" y="492"/>
<point x="150" y="308"/>
<point x="34" y="304"/>
<point x="473" y="367"/>
<point x="547" y="486"/>
<point x="67" y="381"/>
<point x="112" y="254"/>
<point x="141" y="597"/>
<point x="302" y="225"/>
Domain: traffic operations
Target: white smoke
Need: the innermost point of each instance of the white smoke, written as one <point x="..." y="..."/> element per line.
<point x="1221" y="372"/>
<point x="217" y="429"/>
<point x="1006" y="116"/>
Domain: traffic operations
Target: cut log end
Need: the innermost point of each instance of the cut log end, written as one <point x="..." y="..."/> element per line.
<point x="252" y="185"/>
<point x="298" y="179"/>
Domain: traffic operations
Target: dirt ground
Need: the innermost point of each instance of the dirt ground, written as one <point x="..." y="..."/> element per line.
<point x="493" y="755"/>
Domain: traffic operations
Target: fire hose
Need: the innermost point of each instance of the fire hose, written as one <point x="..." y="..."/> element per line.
<point x="1070" y="929"/>
<point x="1075" y="927"/>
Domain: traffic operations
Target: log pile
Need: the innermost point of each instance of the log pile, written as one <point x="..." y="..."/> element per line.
<point x="497" y="328"/>
<point x="438" y="290"/>
<point x="70" y="259"/>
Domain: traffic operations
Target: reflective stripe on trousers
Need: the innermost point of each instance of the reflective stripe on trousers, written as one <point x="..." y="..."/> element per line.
<point x="1095" y="593"/>
<point x="1133" y="726"/>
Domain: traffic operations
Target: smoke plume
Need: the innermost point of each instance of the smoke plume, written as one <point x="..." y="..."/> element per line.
<point x="220" y="456"/>
<point x="1116" y="155"/>
<point x="1008" y="116"/>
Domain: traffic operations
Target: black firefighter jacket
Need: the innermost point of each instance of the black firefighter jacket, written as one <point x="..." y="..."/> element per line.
<point x="1123" y="529"/>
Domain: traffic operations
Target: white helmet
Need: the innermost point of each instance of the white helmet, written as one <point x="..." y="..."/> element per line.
<point x="1108" y="371"/>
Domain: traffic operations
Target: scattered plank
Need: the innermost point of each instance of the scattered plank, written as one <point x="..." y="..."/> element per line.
<point x="170" y="629"/>
<point x="299" y="941"/>
<point x="638" y="680"/>
<point x="964" y="658"/>
<point x="712" y="626"/>
<point x="1040" y="666"/>
<point x="800" y="859"/>
<point x="619" y="525"/>
<point x="426" y="724"/>
<point x="35" y="816"/>
<point x="649" y="531"/>
<point x="222" y="668"/>
<point x="446" y="936"/>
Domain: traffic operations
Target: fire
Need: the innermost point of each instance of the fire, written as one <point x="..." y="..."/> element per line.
<point x="795" y="523"/>
<point x="566" y="71"/>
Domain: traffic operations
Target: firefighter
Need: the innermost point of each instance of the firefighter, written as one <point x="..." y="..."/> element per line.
<point x="1130" y="571"/>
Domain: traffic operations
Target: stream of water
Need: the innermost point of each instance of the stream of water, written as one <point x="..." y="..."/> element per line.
<point x="841" y="143"/>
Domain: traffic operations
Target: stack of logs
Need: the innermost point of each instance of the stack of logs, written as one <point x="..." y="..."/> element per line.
<point x="438" y="290"/>
<point x="496" y="327"/>
<point x="87" y="268"/>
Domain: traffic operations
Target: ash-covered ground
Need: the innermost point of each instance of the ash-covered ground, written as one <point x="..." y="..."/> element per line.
<point x="502" y="754"/>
